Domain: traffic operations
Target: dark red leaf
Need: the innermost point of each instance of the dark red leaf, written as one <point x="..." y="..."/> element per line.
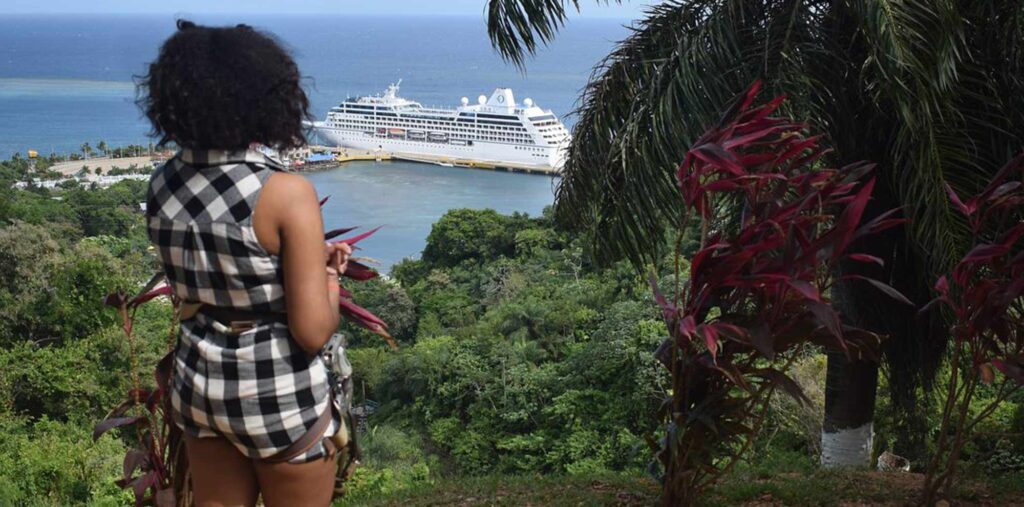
<point x="715" y="155"/>
<point x="164" y="290"/>
<point x="761" y="339"/>
<point x="1004" y="189"/>
<point x="324" y="200"/>
<point x="964" y="208"/>
<point x="848" y="220"/>
<point x="141" y="484"/>
<point x="710" y="339"/>
<point x="751" y="94"/>
<point x="334" y="233"/>
<point x="704" y="253"/>
<point x="115" y="300"/>
<point x="982" y="253"/>
<point x="866" y="258"/>
<point x="364" y="318"/>
<point x="826" y="317"/>
<point x="884" y="287"/>
<point x="787" y="384"/>
<point x="804" y="288"/>
<point x="109" y="424"/>
<point x="133" y="459"/>
<point x="1012" y="371"/>
<point x="1013" y="165"/>
<point x="688" y="326"/>
<point x="754" y="136"/>
<point x="359" y="237"/>
<point x="359" y="271"/>
<point x="723" y="185"/>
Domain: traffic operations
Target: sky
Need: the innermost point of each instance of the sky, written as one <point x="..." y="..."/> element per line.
<point x="630" y="9"/>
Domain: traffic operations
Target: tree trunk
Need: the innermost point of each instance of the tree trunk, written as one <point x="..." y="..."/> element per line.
<point x="847" y="433"/>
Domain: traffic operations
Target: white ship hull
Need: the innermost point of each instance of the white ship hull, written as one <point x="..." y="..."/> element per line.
<point x="482" y="152"/>
<point x="493" y="133"/>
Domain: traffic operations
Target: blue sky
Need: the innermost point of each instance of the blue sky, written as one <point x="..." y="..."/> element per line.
<point x="630" y="8"/>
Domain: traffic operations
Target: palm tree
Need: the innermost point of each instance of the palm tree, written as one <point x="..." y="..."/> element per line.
<point x="931" y="91"/>
<point x="102" y="146"/>
<point x="86" y="150"/>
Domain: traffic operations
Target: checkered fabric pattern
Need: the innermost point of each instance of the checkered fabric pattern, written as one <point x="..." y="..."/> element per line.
<point x="258" y="389"/>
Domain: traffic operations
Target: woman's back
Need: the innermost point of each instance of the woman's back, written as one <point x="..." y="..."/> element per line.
<point x="199" y="214"/>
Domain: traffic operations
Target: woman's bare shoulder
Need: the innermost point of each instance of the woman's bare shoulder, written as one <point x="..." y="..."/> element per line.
<point x="286" y="190"/>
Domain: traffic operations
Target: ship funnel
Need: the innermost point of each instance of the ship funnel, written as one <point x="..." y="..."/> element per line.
<point x="502" y="97"/>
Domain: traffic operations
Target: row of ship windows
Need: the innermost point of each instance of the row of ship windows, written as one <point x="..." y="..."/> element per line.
<point x="509" y="136"/>
<point x="445" y="128"/>
<point x="407" y="123"/>
<point x="552" y="139"/>
<point x="511" y="121"/>
<point x="363" y="108"/>
<point x="504" y="140"/>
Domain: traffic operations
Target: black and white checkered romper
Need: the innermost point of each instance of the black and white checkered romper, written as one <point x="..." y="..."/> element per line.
<point x="258" y="389"/>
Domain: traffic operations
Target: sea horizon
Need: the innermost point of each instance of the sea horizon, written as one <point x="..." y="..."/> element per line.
<point x="67" y="79"/>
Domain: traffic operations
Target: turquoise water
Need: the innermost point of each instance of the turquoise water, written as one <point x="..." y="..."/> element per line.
<point x="67" y="80"/>
<point x="406" y="198"/>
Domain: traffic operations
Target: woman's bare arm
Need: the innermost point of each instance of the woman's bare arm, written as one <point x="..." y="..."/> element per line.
<point x="288" y="223"/>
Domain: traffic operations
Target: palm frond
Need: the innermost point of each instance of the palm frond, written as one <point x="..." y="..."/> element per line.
<point x="649" y="100"/>
<point x="517" y="28"/>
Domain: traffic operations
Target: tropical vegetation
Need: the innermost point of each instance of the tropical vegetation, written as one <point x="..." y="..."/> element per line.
<point x="929" y="91"/>
<point x="519" y="356"/>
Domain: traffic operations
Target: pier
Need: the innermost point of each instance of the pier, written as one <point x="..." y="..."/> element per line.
<point x="344" y="155"/>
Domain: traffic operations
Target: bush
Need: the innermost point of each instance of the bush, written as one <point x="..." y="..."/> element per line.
<point x="57" y="463"/>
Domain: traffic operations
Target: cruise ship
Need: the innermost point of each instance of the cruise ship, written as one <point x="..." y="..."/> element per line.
<point x="495" y="132"/>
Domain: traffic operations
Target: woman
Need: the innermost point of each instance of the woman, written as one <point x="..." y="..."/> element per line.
<point x="242" y="241"/>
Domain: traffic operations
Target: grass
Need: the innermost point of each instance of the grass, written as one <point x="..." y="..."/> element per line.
<point x="555" y="491"/>
<point x="756" y="486"/>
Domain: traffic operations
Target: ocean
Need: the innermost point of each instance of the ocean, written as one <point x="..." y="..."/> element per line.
<point x="65" y="80"/>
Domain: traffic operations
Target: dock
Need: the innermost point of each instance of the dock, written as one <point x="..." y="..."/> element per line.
<point x="344" y="155"/>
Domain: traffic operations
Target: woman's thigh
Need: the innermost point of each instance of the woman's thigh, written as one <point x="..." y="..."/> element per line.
<point x="285" y="484"/>
<point x="221" y="476"/>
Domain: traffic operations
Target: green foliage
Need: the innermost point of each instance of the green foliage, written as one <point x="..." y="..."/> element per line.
<point x="53" y="289"/>
<point x="477" y="235"/>
<point x="525" y="360"/>
<point x="395" y="461"/>
<point x="389" y="302"/>
<point x="56" y="463"/>
<point x="111" y="211"/>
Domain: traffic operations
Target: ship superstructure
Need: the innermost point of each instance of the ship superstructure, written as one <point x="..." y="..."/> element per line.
<point x="495" y="131"/>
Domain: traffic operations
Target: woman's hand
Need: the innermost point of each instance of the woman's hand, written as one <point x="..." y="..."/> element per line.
<point x="337" y="256"/>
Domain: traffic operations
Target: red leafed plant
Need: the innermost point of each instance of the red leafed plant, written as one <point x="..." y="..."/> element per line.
<point x="360" y="272"/>
<point x="985" y="296"/>
<point x="156" y="468"/>
<point x="757" y="290"/>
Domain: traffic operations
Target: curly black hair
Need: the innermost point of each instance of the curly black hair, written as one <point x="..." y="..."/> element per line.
<point x="224" y="88"/>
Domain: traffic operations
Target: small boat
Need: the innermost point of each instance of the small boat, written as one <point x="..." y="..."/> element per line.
<point x="445" y="164"/>
<point x="458" y="142"/>
<point x="417" y="134"/>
